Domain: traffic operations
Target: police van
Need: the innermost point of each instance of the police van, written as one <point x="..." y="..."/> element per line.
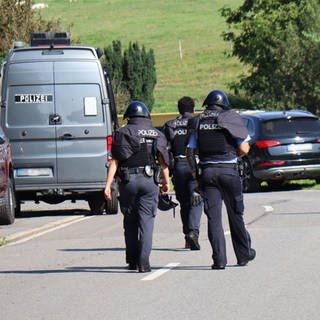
<point x="58" y="110"/>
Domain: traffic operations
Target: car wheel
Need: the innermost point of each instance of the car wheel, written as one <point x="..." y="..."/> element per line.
<point x="276" y="184"/>
<point x="7" y="210"/>
<point x="97" y="203"/>
<point x="249" y="182"/>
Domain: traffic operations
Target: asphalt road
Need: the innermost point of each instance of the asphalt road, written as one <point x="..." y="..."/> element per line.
<point x="62" y="264"/>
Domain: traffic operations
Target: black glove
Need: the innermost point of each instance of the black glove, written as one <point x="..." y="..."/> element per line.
<point x="195" y="198"/>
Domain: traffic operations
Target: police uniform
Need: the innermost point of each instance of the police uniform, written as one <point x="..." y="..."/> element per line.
<point x="217" y="133"/>
<point x="136" y="146"/>
<point x="184" y="184"/>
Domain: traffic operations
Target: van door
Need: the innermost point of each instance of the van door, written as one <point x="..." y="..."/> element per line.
<point x="82" y="131"/>
<point x="30" y="104"/>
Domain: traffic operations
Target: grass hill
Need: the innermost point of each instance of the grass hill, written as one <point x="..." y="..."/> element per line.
<point x="166" y="26"/>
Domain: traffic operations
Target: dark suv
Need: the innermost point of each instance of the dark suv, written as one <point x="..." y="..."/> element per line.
<point x="285" y="145"/>
<point x="7" y="195"/>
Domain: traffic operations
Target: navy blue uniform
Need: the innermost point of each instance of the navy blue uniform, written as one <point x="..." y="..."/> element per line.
<point x="184" y="183"/>
<point x="216" y="134"/>
<point x="136" y="146"/>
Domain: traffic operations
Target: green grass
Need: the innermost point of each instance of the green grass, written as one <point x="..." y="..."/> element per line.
<point x="3" y="241"/>
<point x="159" y="25"/>
<point x="305" y="184"/>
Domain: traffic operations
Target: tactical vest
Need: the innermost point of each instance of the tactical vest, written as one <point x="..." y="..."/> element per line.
<point x="214" y="142"/>
<point x="178" y="135"/>
<point x="147" y="151"/>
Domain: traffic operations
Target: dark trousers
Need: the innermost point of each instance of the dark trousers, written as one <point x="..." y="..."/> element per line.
<point x="184" y="184"/>
<point x="223" y="184"/>
<point x="138" y="203"/>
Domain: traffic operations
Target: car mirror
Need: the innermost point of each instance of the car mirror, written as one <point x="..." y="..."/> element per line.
<point x="99" y="52"/>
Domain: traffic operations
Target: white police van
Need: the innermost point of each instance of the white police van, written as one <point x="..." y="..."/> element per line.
<point x="58" y="110"/>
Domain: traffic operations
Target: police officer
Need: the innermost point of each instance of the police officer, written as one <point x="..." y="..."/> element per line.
<point x="220" y="137"/>
<point x="138" y="151"/>
<point x="184" y="183"/>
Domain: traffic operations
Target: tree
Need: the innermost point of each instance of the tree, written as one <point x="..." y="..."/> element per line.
<point x="18" y="20"/>
<point x="279" y="42"/>
<point x="133" y="73"/>
<point x="149" y="76"/>
<point x="114" y="63"/>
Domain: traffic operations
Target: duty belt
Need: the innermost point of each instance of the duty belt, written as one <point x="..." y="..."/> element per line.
<point x="180" y="159"/>
<point x="220" y="165"/>
<point x="134" y="170"/>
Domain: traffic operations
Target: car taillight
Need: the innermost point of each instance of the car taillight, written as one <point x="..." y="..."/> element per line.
<point x="318" y="140"/>
<point x="271" y="163"/>
<point x="109" y="144"/>
<point x="261" y="144"/>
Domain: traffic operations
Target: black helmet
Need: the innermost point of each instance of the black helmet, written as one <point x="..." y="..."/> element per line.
<point x="136" y="109"/>
<point x="165" y="203"/>
<point x="217" y="97"/>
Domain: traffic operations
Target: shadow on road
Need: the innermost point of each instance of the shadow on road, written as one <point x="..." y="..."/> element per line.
<point x="53" y="213"/>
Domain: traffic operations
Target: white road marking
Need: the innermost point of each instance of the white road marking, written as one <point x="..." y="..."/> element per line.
<point x="160" y="272"/>
<point x="37" y="232"/>
<point x="268" y="208"/>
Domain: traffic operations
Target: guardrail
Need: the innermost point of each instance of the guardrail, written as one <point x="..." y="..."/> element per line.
<point x="158" y="119"/>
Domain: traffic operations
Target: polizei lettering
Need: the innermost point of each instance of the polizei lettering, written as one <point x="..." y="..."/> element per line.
<point x="147" y="133"/>
<point x="180" y="123"/>
<point x="33" y="98"/>
<point x="181" y="132"/>
<point x="209" y="126"/>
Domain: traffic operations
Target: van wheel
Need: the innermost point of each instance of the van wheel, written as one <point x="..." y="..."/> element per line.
<point x="7" y="210"/>
<point x="112" y="205"/>
<point x="97" y="203"/>
<point x="18" y="208"/>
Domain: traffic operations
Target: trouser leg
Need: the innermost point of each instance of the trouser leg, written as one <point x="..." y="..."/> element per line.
<point x="146" y="209"/>
<point x="184" y="185"/>
<point x="130" y="224"/>
<point x="127" y="198"/>
<point x="233" y="199"/>
<point x="213" y="210"/>
<point x="195" y="212"/>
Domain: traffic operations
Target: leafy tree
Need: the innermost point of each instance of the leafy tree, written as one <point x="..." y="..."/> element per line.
<point x="279" y="43"/>
<point x="18" y="20"/>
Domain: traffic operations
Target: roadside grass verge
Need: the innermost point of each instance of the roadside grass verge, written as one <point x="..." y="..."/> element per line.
<point x="303" y="184"/>
<point x="3" y="241"/>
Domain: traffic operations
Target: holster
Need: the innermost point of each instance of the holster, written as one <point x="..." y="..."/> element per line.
<point x="124" y="175"/>
<point x="157" y="174"/>
<point x="240" y="168"/>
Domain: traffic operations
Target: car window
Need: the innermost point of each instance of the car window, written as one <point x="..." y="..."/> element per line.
<point x="290" y="127"/>
<point x="250" y="126"/>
